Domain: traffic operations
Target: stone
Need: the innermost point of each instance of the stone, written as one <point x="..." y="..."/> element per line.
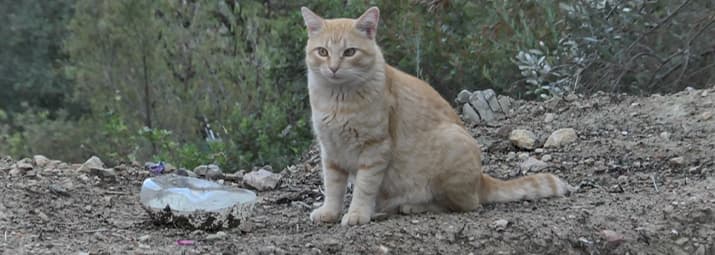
<point x="677" y="161"/>
<point x="532" y="165"/>
<point x="485" y="103"/>
<point x="546" y="157"/>
<point x="470" y="115"/>
<point x="622" y="179"/>
<point x="201" y="170"/>
<point x="506" y="103"/>
<point x="561" y="137"/>
<point x="216" y="236"/>
<point x="92" y="162"/>
<point x="103" y="173"/>
<point x="83" y="177"/>
<point x="523" y="156"/>
<point x="40" y="161"/>
<point x="24" y="165"/>
<point x="665" y="135"/>
<point x="522" y="138"/>
<point x="213" y="172"/>
<point x="144" y="238"/>
<point x="186" y="172"/>
<point x="504" y="131"/>
<point x="500" y="224"/>
<point x="700" y="250"/>
<point x="262" y="179"/>
<point x="612" y="238"/>
<point x="15" y="172"/>
<point x="539" y="151"/>
<point x="549" y="117"/>
<point x="571" y="97"/>
<point x="463" y="97"/>
<point x="235" y="177"/>
<point x="705" y="116"/>
<point x="682" y="240"/>
<point x="58" y="189"/>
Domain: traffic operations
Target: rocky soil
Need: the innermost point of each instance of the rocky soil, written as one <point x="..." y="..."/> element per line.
<point x="644" y="167"/>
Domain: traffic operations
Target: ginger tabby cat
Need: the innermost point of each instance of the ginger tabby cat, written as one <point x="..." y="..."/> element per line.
<point x="402" y="145"/>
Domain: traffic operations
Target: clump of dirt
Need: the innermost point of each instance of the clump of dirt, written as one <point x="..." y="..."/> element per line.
<point x="644" y="167"/>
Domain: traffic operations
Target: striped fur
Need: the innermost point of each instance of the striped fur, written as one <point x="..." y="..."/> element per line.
<point x="391" y="134"/>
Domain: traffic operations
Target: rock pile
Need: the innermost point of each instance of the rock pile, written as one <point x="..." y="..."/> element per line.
<point x="483" y="106"/>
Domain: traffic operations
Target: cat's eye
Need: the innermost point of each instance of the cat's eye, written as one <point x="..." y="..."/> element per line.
<point x="322" y="52"/>
<point x="349" y="52"/>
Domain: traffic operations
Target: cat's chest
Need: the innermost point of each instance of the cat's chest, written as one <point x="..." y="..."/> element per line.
<point x="343" y="134"/>
<point x="347" y="128"/>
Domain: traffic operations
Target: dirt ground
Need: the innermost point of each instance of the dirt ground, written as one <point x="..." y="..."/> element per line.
<point x="630" y="185"/>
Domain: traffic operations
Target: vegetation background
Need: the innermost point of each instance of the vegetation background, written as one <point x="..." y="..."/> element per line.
<point x="143" y="80"/>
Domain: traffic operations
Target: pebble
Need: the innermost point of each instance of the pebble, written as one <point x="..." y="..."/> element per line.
<point x="677" y="161"/>
<point x="546" y="157"/>
<point x="201" y="170"/>
<point x="24" y="165"/>
<point x="523" y="156"/>
<point x="415" y="221"/>
<point x="549" y="117"/>
<point x="15" y="172"/>
<point x="213" y="172"/>
<point x="561" y="137"/>
<point x="186" y="172"/>
<point x="262" y="179"/>
<point x="144" y="238"/>
<point x="83" y="178"/>
<point x="523" y="138"/>
<point x="682" y="241"/>
<point x="40" y="160"/>
<point x="500" y="224"/>
<point x="622" y="179"/>
<point x="92" y="162"/>
<point x="58" y="189"/>
<point x="665" y="135"/>
<point x="216" y="236"/>
<point x="701" y="249"/>
<point x="104" y="173"/>
<point x="533" y="165"/>
<point x="571" y="97"/>
<point x="539" y="150"/>
<point x="42" y="216"/>
<point x="612" y="237"/>
<point x="706" y="115"/>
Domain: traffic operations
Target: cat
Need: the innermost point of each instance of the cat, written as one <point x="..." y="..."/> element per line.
<point x="400" y="144"/>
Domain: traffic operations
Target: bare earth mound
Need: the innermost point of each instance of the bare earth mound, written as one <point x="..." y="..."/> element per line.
<point x="644" y="167"/>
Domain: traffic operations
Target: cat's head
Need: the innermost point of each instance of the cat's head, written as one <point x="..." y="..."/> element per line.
<point x="342" y="50"/>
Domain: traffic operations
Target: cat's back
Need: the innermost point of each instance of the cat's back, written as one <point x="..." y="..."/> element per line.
<point x="417" y="102"/>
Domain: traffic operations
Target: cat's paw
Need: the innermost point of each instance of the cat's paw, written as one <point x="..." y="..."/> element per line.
<point x="324" y="215"/>
<point x="355" y="218"/>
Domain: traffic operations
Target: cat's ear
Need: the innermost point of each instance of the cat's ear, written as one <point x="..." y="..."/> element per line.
<point x="312" y="21"/>
<point x="367" y="23"/>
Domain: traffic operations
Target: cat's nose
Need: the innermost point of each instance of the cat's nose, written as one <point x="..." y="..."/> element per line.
<point x="333" y="69"/>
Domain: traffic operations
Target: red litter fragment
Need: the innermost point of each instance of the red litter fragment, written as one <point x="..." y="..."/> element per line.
<point x="185" y="242"/>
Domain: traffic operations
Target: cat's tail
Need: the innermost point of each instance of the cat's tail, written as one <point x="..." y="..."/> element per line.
<point x="523" y="188"/>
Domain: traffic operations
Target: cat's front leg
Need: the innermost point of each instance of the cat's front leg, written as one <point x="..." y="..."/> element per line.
<point x="368" y="179"/>
<point x="335" y="179"/>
